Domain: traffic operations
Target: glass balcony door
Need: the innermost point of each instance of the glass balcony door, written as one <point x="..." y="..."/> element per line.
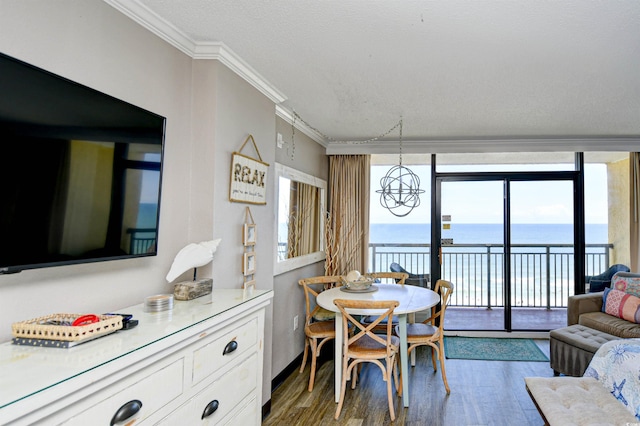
<point x="508" y="246"/>
<point x="472" y="257"/>
<point x="542" y="256"/>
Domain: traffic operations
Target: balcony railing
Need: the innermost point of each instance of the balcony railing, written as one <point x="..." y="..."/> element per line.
<point x="541" y="274"/>
<point x="141" y="240"/>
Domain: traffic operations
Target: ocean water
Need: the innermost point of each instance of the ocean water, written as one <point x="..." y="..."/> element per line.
<point x="485" y="233"/>
<point x="147" y="215"/>
<point x="472" y="264"/>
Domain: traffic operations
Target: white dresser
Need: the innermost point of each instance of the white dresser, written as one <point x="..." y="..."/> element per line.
<point x="199" y="364"/>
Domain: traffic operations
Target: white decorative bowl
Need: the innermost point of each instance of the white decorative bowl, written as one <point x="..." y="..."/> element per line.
<point x="362" y="283"/>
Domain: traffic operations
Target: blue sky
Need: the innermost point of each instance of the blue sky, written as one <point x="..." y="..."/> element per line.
<point x="481" y="202"/>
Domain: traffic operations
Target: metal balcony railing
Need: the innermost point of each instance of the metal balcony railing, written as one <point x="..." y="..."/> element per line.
<point x="141" y="240"/>
<point x="541" y="274"/>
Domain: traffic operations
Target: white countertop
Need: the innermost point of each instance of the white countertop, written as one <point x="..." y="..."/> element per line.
<point x="28" y="370"/>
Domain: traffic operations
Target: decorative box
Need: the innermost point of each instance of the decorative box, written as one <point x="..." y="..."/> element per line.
<point x="56" y="330"/>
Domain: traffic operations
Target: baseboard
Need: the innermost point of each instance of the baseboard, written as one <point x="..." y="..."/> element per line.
<point x="515" y="334"/>
<point x="288" y="370"/>
<point x="266" y="409"/>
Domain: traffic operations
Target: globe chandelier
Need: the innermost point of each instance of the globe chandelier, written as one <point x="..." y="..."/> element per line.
<point x="400" y="188"/>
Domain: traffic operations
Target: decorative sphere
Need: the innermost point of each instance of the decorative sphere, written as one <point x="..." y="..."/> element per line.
<point x="400" y="191"/>
<point x="353" y="275"/>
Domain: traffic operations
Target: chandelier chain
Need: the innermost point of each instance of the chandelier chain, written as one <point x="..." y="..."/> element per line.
<point x="292" y="153"/>
<point x="329" y="138"/>
<point x="400" y="124"/>
<point x="400" y="187"/>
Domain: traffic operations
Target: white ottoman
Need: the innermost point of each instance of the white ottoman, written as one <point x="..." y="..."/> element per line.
<point x="566" y="401"/>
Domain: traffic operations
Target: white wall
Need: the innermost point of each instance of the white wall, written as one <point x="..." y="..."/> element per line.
<point x="288" y="301"/>
<point x="242" y="110"/>
<point x="209" y="112"/>
<point x="93" y="44"/>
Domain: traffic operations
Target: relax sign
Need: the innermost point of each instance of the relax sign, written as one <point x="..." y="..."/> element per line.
<point x="248" y="180"/>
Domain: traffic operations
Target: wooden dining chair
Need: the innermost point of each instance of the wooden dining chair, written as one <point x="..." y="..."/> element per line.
<point x="398" y="278"/>
<point x="363" y="345"/>
<point x="319" y="325"/>
<point x="430" y="332"/>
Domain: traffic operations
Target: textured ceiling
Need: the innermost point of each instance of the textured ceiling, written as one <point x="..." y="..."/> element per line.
<point x="451" y="69"/>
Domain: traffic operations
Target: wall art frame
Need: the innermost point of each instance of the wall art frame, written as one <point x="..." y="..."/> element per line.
<point x="248" y="178"/>
<point x="249" y="263"/>
<point x="249" y="234"/>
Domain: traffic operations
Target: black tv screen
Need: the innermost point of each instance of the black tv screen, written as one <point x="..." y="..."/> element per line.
<point x="81" y="172"/>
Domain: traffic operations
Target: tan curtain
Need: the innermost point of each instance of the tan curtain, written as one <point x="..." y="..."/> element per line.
<point x="308" y="198"/>
<point x="303" y="224"/>
<point x="634" y="203"/>
<point x="347" y="224"/>
<point x="295" y="222"/>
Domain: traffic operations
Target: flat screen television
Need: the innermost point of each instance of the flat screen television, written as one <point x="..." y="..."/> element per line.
<point x="80" y="172"/>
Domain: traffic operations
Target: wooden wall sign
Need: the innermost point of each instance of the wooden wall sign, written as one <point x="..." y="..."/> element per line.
<point x="248" y="177"/>
<point x="249" y="237"/>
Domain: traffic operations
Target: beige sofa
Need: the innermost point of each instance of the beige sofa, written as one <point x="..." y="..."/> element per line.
<point x="586" y="310"/>
<point x="588" y="328"/>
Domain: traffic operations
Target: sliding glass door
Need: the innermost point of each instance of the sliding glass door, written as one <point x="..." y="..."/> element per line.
<point x="472" y="236"/>
<point x="542" y="251"/>
<point x="512" y="242"/>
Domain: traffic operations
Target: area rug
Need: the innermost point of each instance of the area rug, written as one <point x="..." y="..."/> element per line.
<point x="492" y="349"/>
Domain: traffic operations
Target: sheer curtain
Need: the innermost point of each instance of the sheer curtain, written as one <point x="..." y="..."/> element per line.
<point x="347" y="224"/>
<point x="634" y="203"/>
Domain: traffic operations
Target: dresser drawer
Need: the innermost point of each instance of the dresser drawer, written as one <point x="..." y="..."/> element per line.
<point x="225" y="347"/>
<point x="175" y="366"/>
<point x="229" y="390"/>
<point x="250" y="414"/>
<point x="153" y="388"/>
<point x="224" y="395"/>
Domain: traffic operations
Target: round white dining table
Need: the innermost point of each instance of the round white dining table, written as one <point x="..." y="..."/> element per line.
<point x="411" y="298"/>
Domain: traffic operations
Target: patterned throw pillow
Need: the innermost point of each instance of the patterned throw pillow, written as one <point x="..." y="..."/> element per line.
<point x="627" y="282"/>
<point x="621" y="305"/>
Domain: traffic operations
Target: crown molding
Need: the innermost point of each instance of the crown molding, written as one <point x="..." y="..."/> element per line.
<point x="287" y="116"/>
<point x="467" y="146"/>
<point x="159" y="26"/>
<point x="221" y="53"/>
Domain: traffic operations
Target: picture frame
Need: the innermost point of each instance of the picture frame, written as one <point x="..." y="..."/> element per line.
<point x="248" y="178"/>
<point x="249" y="234"/>
<point x="249" y="263"/>
<point x="251" y="285"/>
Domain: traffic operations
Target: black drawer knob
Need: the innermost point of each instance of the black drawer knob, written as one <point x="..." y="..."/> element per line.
<point x="231" y="346"/>
<point x="126" y="411"/>
<point x="210" y="408"/>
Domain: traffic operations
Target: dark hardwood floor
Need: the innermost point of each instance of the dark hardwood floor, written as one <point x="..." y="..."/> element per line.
<point x="482" y="393"/>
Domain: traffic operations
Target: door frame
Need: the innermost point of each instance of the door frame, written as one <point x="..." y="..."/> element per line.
<point x="576" y="176"/>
